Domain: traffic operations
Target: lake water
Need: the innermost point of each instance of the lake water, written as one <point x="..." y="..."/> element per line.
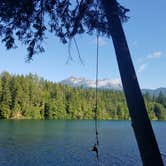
<point x="69" y="143"/>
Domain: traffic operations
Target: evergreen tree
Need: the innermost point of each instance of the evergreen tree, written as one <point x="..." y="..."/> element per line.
<point x="161" y="99"/>
<point x="0" y="90"/>
<point x="6" y="100"/>
<point x="31" y="97"/>
<point x="160" y="111"/>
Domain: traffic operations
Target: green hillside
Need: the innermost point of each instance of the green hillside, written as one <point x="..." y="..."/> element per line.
<point x="32" y="97"/>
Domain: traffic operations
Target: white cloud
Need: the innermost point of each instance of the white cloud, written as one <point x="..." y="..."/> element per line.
<point x="140" y="60"/>
<point x="156" y="54"/>
<point x="142" y="67"/>
<point x="116" y="81"/>
<point x="135" y="43"/>
<point x="102" y="42"/>
<point x="147" y="60"/>
<point x="153" y="55"/>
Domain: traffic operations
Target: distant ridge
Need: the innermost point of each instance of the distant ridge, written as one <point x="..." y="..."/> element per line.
<point x="102" y="84"/>
<point x="106" y="84"/>
<point x="155" y="92"/>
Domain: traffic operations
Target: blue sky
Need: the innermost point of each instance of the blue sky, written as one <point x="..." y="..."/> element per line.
<point x="146" y="36"/>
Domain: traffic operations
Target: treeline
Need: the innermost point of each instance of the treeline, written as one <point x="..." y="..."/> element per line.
<point x="32" y="97"/>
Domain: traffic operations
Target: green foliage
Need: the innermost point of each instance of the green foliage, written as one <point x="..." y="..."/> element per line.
<point x="161" y="99"/>
<point x="31" y="97"/>
<point x="4" y="111"/>
<point x="160" y="111"/>
<point x="25" y="21"/>
<point x="150" y="108"/>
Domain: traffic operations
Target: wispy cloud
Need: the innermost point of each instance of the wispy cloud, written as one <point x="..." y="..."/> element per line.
<point x="116" y="81"/>
<point x="151" y="56"/>
<point x="102" y="42"/>
<point x="157" y="54"/>
<point x="142" y="67"/>
<point x="144" y="62"/>
<point x="135" y="43"/>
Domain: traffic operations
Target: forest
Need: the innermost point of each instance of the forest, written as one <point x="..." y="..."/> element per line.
<point x="32" y="97"/>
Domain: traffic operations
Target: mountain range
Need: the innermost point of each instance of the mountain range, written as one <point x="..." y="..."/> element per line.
<point x="102" y="84"/>
<point x="105" y="84"/>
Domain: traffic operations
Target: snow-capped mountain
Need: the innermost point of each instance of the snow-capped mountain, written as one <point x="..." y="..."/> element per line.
<point x="114" y="84"/>
<point x="102" y="84"/>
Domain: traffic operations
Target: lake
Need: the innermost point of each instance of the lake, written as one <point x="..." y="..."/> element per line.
<point x="69" y="143"/>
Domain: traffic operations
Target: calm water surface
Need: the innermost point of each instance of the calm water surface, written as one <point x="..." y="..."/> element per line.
<point x="69" y="143"/>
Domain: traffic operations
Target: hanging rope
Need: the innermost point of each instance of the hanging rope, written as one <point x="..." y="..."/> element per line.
<point x="96" y="145"/>
<point x="96" y="105"/>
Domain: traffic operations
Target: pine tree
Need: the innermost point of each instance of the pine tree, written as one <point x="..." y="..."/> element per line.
<point x="6" y="100"/>
<point x="160" y="111"/>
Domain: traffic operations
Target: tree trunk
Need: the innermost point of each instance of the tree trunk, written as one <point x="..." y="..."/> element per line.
<point x="140" y="121"/>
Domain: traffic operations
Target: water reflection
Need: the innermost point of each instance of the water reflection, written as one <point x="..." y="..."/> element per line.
<point x="69" y="143"/>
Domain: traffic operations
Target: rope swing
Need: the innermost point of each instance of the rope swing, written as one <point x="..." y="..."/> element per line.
<point x="96" y="145"/>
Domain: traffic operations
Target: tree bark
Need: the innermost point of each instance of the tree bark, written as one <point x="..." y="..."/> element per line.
<point x="141" y="124"/>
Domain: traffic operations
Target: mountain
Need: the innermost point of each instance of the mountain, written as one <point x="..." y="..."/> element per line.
<point x="106" y="84"/>
<point x="155" y="92"/>
<point x="102" y="84"/>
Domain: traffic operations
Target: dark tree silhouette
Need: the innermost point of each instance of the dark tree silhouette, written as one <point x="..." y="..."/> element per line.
<point x="28" y="20"/>
<point x="140" y="121"/>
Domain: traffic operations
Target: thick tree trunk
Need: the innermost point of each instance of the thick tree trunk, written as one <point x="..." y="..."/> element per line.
<point x="140" y="121"/>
